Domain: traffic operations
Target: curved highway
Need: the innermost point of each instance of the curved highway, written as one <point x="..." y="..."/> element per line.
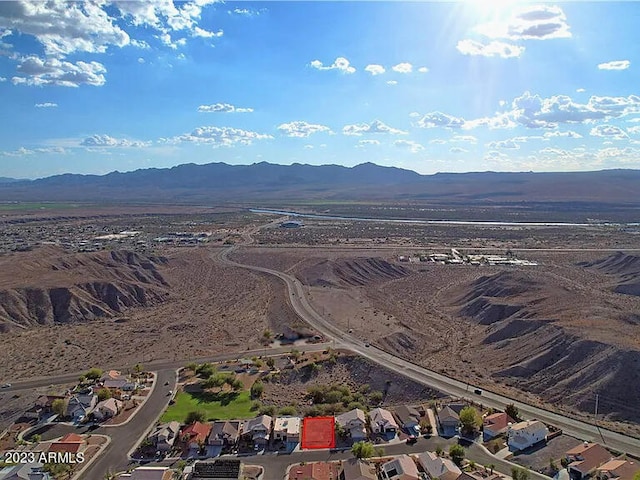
<point x="302" y="307"/>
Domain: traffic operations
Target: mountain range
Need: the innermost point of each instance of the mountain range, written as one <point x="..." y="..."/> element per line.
<point x="263" y="181"/>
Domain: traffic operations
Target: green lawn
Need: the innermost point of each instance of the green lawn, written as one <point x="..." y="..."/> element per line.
<point x="223" y="406"/>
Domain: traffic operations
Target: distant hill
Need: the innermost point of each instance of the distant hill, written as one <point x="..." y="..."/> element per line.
<point x="191" y="183"/>
<point x="8" y="180"/>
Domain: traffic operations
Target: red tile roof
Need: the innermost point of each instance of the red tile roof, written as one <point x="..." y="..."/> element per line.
<point x="71" y="438"/>
<point x="497" y="421"/>
<point x="197" y="431"/>
<point x="65" y="447"/>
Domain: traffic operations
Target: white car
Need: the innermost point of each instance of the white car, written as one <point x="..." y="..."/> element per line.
<point x="6" y="385"/>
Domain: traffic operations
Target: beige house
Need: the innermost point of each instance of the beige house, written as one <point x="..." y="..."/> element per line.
<point x="355" y="469"/>
<point x="400" y="468"/>
<point x="107" y="409"/>
<point x="382" y="422"/>
<point x="354" y="422"/>
<point x="437" y="467"/>
<point x="287" y="429"/>
<point x="618" y="470"/>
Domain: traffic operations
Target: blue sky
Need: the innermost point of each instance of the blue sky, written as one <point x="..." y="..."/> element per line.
<point x="97" y="86"/>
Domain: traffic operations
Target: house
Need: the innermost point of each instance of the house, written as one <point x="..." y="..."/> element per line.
<point x="525" y="434"/>
<point x="356" y="469"/>
<point x="400" y="468"/>
<point x="409" y="419"/>
<point x="42" y="407"/>
<point x="115" y="383"/>
<point x="585" y="458"/>
<point x="164" y="436"/>
<point x="315" y="471"/>
<point x="81" y="405"/>
<point x="437" y="467"/>
<point x="382" y="422"/>
<point x="258" y="429"/>
<point x="495" y="424"/>
<point x="287" y="429"/>
<point x="28" y="471"/>
<point x="106" y="409"/>
<point x="148" y="473"/>
<point x="225" y="433"/>
<point x="618" y="470"/>
<point x="354" y="422"/>
<point x="449" y="421"/>
<point x="196" y="434"/>
<point x="70" y="443"/>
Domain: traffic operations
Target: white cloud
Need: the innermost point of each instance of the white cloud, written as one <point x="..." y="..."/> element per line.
<point x="224" y="108"/>
<point x="199" y="32"/>
<point x="374" y="69"/>
<point x="464" y="138"/>
<point x="341" y="64"/>
<point x="218" y="137"/>
<point x="536" y="112"/>
<point x="364" y="143"/>
<point x="615" y="65"/>
<point x="57" y="72"/>
<point x="374" y="127"/>
<point x="3" y="79"/>
<point x="458" y="150"/>
<point x="392" y="82"/>
<point x="414" y="114"/>
<point x="581" y="90"/>
<point x="423" y="70"/>
<point x="403" y="67"/>
<point x="504" y="144"/>
<point x="64" y="27"/>
<point x="410" y="145"/>
<point x="22" y="151"/>
<point x="308" y="147"/>
<point x="558" y="133"/>
<point x="438" y="141"/>
<point x="46" y="105"/>
<point x="246" y="12"/>
<point x="301" y="129"/>
<point x="634" y="130"/>
<point x="141" y="60"/>
<point x="439" y="119"/>
<point x="536" y="22"/>
<point x="108" y="141"/>
<point x="608" y="131"/>
<point x="491" y="49"/>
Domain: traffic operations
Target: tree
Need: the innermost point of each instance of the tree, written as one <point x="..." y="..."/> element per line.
<point x="138" y="369"/>
<point x="58" y="407"/>
<point x="513" y="412"/>
<point x="438" y="450"/>
<point x="375" y="397"/>
<point x="180" y="465"/>
<point x="271" y="362"/>
<point x="362" y="449"/>
<point x="256" y="389"/>
<point x="205" y="370"/>
<point x="637" y="476"/>
<point x="215" y="381"/>
<point x="518" y="473"/>
<point x="235" y="383"/>
<point x="340" y="431"/>
<point x="104" y="394"/>
<point x="193" y="366"/>
<point x="429" y="429"/>
<point x="456" y="452"/>
<point x="491" y="468"/>
<point x="36" y="438"/>
<point x="93" y="374"/>
<point x="469" y="419"/>
<point x="195" y="416"/>
<point x="565" y="463"/>
<point x="295" y="354"/>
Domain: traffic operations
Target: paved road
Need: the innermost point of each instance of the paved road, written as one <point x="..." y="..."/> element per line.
<point x="303" y="308"/>
<point x="164" y="365"/>
<point x="275" y="465"/>
<point x="123" y="439"/>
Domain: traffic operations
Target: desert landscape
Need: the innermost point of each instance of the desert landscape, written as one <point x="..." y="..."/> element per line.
<point x="552" y="334"/>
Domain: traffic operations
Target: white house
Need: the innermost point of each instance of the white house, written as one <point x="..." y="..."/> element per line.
<point x="287" y="429"/>
<point x="107" y="409"/>
<point x="382" y="421"/>
<point x="27" y="471"/>
<point x="525" y="434"/>
<point x="354" y="421"/>
<point x="164" y="436"/>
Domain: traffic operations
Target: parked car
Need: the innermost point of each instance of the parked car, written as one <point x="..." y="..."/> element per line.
<point x="6" y="385"/>
<point x="477" y="391"/>
<point x="411" y="440"/>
